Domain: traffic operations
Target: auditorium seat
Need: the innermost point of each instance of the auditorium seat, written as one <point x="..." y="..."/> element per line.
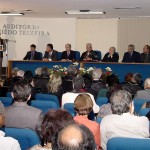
<point x="138" y="104"/>
<point x="99" y="119"/>
<point x="144" y="111"/>
<point x="44" y="105"/>
<point x="102" y="93"/>
<point x="101" y="100"/>
<point x="7" y="101"/>
<point x="77" y="53"/>
<point x="70" y="108"/>
<point x="26" y="137"/>
<point x="47" y="97"/>
<point x="99" y="55"/>
<point x="8" y="94"/>
<point x="41" y="55"/>
<point x="128" y="144"/>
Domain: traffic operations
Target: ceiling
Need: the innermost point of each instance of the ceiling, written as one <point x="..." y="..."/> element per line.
<point x="57" y="8"/>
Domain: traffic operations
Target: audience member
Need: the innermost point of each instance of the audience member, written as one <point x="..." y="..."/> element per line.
<point x="111" y="56"/>
<point x="20" y="115"/>
<point x="145" y="56"/>
<point x="144" y="94"/>
<point x="123" y="123"/>
<point x="83" y="105"/>
<point x="134" y="85"/>
<point x="74" y="137"/>
<point x="96" y="85"/>
<point x="89" y="55"/>
<point x="128" y="77"/>
<point x="38" y="71"/>
<point x="50" y="54"/>
<point x="53" y="122"/>
<point x="67" y="81"/>
<point x="32" y="54"/>
<point x="131" y="56"/>
<point x="68" y="54"/>
<point x="6" y="143"/>
<point x="70" y="97"/>
<point x="20" y="73"/>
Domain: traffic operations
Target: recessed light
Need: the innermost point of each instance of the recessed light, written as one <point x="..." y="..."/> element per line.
<point x="11" y="14"/>
<point x="127" y="8"/>
<point x="84" y="12"/>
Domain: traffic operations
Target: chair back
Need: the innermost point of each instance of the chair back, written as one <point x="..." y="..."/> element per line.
<point x="59" y="55"/>
<point x="7" y="101"/>
<point x="8" y="94"/>
<point x="138" y="103"/>
<point x="144" y="111"/>
<point x="77" y="53"/>
<point x="99" y="120"/>
<point x="47" y="97"/>
<point x="44" y="105"/>
<point x="128" y="144"/>
<point x="26" y="137"/>
<point x="99" y="55"/>
<point x="70" y="108"/>
<point x="102" y="93"/>
<point x="101" y="100"/>
<point x="41" y="55"/>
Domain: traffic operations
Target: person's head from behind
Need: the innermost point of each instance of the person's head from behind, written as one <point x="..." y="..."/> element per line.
<point x="2" y="114"/>
<point x="89" y="47"/>
<point x="71" y="70"/>
<point x="112" y="50"/>
<point x="75" y="137"/>
<point x="32" y="47"/>
<point x="121" y="102"/>
<point x="20" y="73"/>
<point x="21" y="91"/>
<point x="112" y="80"/>
<point x="78" y="83"/>
<point x="131" y="48"/>
<point x="54" y="83"/>
<point x="128" y="77"/>
<point x="38" y="71"/>
<point x="147" y="83"/>
<point x="28" y="76"/>
<point x="44" y="72"/>
<point x="14" y="72"/>
<point x="146" y="49"/>
<point x="68" y="47"/>
<point x="53" y="122"/>
<point x="137" y="78"/>
<point x="49" y="48"/>
<point x="83" y="104"/>
<point x="96" y="74"/>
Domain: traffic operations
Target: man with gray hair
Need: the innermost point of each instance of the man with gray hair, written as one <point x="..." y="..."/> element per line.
<point x="96" y="85"/>
<point x="144" y="94"/>
<point x="123" y="123"/>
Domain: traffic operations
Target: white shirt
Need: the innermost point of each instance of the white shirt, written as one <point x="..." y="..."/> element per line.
<point x="125" y="125"/>
<point x="8" y="143"/>
<point x="70" y="97"/>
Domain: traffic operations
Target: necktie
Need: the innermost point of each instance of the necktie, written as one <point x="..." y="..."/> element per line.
<point x="32" y="55"/>
<point x="68" y="55"/>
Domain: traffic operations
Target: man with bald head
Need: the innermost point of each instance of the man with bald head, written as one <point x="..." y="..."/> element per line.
<point x="75" y="137"/>
<point x="144" y="94"/>
<point x="89" y="55"/>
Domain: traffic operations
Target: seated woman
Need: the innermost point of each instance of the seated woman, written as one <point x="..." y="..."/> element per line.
<point x="83" y="105"/>
<point x="53" y="122"/>
<point x="78" y="84"/>
<point x="111" y="56"/>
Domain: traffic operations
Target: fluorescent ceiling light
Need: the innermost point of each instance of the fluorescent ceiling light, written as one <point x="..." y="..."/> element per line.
<point x="84" y="12"/>
<point x="11" y="14"/>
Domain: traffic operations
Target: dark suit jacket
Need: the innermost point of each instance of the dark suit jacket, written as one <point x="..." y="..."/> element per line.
<point x="2" y="42"/>
<point x="54" y="56"/>
<point x="115" y="58"/>
<point x="20" y="115"/>
<point x="36" y="56"/>
<point x="92" y="55"/>
<point x="134" y="58"/>
<point x="72" y="55"/>
<point x="145" y="58"/>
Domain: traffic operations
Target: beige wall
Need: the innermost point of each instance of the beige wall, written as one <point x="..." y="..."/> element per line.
<point x="133" y="31"/>
<point x="102" y="33"/>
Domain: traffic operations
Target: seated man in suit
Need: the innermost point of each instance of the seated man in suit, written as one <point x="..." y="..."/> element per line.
<point x="123" y="122"/>
<point x="89" y="55"/>
<point x="145" y="56"/>
<point x="111" y="56"/>
<point x="19" y="114"/>
<point x="131" y="56"/>
<point x="32" y="54"/>
<point x="50" y="54"/>
<point x="68" y="54"/>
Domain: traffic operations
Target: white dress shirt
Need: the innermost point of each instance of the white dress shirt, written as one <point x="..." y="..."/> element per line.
<point x="125" y="125"/>
<point x="8" y="143"/>
<point x="70" y="97"/>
